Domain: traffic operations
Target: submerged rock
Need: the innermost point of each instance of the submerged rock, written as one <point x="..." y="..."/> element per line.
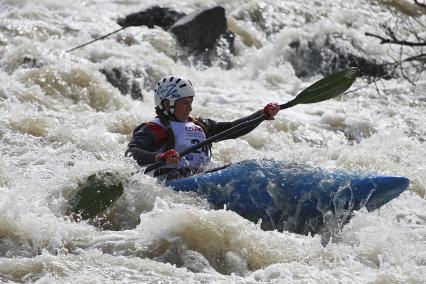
<point x="30" y="62"/>
<point x="124" y="80"/>
<point x="331" y="54"/>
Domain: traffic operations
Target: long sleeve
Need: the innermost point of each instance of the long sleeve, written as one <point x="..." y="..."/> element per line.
<point x="144" y="145"/>
<point x="214" y="127"/>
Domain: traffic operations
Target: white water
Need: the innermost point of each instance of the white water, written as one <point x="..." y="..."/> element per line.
<point x="63" y="121"/>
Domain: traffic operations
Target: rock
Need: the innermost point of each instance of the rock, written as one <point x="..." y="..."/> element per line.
<point x="220" y="54"/>
<point x="30" y="62"/>
<point x="124" y="80"/>
<point x="200" y="30"/>
<point x="194" y="261"/>
<point x="154" y="16"/>
<point x="205" y="38"/>
<point x="333" y="54"/>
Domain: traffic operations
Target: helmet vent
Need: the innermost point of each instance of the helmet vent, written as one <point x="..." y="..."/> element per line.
<point x="172" y="88"/>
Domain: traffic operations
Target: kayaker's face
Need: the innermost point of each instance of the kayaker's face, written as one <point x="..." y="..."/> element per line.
<point x="183" y="108"/>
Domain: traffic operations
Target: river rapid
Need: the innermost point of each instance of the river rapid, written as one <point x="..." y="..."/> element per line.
<point x="61" y="121"/>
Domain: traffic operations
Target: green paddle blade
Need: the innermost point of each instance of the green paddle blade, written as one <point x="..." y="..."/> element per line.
<point x="95" y="195"/>
<point x="326" y="88"/>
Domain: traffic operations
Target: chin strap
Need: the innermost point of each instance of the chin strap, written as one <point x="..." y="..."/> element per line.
<point x="169" y="115"/>
<point x="171" y="110"/>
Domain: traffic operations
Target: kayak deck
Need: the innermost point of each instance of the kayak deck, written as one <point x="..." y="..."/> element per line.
<point x="291" y="197"/>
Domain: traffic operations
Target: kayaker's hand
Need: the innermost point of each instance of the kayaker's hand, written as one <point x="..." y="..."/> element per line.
<point x="271" y="110"/>
<point x="170" y="156"/>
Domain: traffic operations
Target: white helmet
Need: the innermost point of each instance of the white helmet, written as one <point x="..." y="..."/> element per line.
<point x="172" y="88"/>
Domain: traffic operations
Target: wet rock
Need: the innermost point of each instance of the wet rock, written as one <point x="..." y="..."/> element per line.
<point x="194" y="261"/>
<point x="221" y="53"/>
<point x="332" y="54"/>
<point x="236" y="264"/>
<point x="200" y="30"/>
<point x="154" y="16"/>
<point x="204" y="35"/>
<point x="125" y="80"/>
<point x="30" y="62"/>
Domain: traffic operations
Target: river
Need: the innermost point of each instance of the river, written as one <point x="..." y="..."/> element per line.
<point x="61" y="121"/>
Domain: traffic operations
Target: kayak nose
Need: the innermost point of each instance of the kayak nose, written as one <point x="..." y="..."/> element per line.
<point x="385" y="188"/>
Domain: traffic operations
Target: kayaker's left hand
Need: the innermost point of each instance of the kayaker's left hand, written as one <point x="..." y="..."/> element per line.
<point x="170" y="156"/>
<point x="271" y="110"/>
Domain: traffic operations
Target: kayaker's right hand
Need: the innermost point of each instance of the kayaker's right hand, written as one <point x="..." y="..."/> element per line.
<point x="170" y="156"/>
<point x="271" y="110"/>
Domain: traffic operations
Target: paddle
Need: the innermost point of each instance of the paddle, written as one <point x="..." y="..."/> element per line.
<point x="324" y="89"/>
<point x="96" y="39"/>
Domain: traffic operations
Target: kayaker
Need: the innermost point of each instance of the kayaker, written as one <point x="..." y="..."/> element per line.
<point x="174" y="130"/>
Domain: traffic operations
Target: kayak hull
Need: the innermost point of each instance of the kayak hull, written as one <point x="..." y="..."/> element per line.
<point x="291" y="197"/>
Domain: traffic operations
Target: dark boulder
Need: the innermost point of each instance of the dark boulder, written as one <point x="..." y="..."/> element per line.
<point x="331" y="54"/>
<point x="219" y="54"/>
<point x="125" y="81"/>
<point x="154" y="16"/>
<point x="200" y="30"/>
<point x="205" y="38"/>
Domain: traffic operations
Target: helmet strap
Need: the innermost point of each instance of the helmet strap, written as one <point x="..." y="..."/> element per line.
<point x="171" y="108"/>
<point x="169" y="113"/>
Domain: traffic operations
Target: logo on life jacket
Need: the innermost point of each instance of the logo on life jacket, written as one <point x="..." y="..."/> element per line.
<point x="193" y="129"/>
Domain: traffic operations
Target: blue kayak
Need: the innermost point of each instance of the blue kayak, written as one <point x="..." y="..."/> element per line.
<point x="288" y="196"/>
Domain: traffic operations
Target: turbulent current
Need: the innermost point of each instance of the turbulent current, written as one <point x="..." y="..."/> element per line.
<point x="61" y="121"/>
